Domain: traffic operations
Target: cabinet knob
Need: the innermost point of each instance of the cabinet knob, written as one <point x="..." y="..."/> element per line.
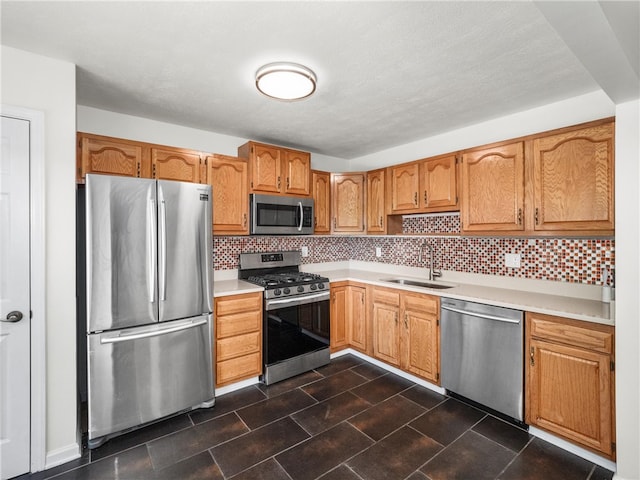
<point x="536" y="217"/>
<point x="380" y="220"/>
<point x="244" y="220"/>
<point x="415" y="198"/>
<point x="425" y="197"/>
<point x="278" y="183"/>
<point x="520" y="216"/>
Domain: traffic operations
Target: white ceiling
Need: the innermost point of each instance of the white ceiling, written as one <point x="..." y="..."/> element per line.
<point x="388" y="72"/>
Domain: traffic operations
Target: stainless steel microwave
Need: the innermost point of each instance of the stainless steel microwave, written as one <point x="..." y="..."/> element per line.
<point x="277" y="215"/>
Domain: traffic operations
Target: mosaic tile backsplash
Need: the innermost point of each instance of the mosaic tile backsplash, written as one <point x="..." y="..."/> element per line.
<point x="558" y="259"/>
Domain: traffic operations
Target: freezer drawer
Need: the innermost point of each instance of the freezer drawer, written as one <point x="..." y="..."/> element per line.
<point x="142" y="374"/>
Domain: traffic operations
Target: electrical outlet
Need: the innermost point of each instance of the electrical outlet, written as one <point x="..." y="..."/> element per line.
<point x="378" y="252"/>
<point x="512" y="260"/>
<point x="305" y="251"/>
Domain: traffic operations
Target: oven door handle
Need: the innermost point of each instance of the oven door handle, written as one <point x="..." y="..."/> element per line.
<point x="300" y="300"/>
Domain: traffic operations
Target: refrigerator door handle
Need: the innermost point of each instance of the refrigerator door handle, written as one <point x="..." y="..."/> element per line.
<point x="154" y="333"/>
<point x="162" y="245"/>
<point x="151" y="249"/>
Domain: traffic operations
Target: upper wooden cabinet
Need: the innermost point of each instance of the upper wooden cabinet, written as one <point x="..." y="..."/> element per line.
<point x="438" y="183"/>
<point x="376" y="203"/>
<point x="321" y="190"/>
<point x="570" y="380"/>
<point x="348" y="202"/>
<point x="404" y="181"/>
<point x="111" y="156"/>
<point x="228" y="177"/>
<point x="493" y="189"/>
<point x="428" y="185"/>
<point x="277" y="170"/>
<point x="177" y="164"/>
<point x="573" y="180"/>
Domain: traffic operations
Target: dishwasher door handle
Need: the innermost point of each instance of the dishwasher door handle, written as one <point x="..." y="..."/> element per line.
<point x="480" y="315"/>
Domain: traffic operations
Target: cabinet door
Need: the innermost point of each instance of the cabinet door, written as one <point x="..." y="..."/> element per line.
<point x="339" y="312"/>
<point x="347" y="195"/>
<point x="228" y="178"/>
<point x="297" y="167"/>
<point x="493" y="189"/>
<point x="573" y="180"/>
<point x="321" y="184"/>
<point x="376" y="218"/>
<point x="405" y="183"/>
<point x="175" y="165"/>
<point x="570" y="393"/>
<point x="104" y="155"/>
<point x="439" y="185"/>
<point x="386" y="333"/>
<point x="421" y="336"/>
<point x="357" y="319"/>
<point x="266" y="176"/>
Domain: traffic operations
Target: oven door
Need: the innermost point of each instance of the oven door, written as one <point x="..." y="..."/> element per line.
<point x="295" y="326"/>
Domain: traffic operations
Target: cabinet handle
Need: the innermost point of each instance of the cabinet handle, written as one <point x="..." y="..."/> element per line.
<point x="531" y="357"/>
<point x="415" y="198"/>
<point x="244" y="220"/>
<point x="395" y="316"/>
<point x="537" y="220"/>
<point x="154" y="171"/>
<point x="380" y="220"/>
<point x="334" y="222"/>
<point x="406" y="324"/>
<point x="425" y="197"/>
<point x="139" y="170"/>
<point x="520" y="216"/>
<point x="287" y="183"/>
<point x="315" y="221"/>
<point x="278" y="183"/>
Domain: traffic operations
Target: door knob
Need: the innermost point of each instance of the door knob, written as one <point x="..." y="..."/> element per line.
<point x="14" y="316"/>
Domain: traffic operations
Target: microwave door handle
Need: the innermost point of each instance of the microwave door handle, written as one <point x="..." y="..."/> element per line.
<point x="301" y="212"/>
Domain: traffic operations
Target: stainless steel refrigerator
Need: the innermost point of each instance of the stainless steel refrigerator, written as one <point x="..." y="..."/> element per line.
<point x="149" y="275"/>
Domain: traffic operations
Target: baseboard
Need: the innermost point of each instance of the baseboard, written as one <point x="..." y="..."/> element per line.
<point x="236" y="386"/>
<point x="62" y="455"/>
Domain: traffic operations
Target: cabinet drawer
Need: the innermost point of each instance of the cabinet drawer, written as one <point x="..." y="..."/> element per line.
<point x="236" y="346"/>
<point x="238" y="368"/>
<point x="245" y="322"/>
<point x="238" y="303"/>
<point x="390" y="297"/>
<point x="421" y="303"/>
<point x="571" y="332"/>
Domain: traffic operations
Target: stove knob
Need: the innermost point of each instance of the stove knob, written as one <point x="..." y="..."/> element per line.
<point x="287" y="291"/>
<point x="277" y="292"/>
<point x="321" y="286"/>
<point x="313" y="286"/>
<point x="300" y="289"/>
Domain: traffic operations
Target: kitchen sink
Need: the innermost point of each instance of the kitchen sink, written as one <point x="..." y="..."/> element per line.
<point x="417" y="283"/>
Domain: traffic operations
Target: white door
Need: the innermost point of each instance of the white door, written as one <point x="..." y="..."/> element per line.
<point x="14" y="299"/>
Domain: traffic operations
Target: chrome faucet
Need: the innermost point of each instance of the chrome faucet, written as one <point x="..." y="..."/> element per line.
<point x="433" y="274"/>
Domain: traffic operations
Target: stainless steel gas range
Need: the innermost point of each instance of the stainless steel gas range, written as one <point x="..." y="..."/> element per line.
<point x="295" y="313"/>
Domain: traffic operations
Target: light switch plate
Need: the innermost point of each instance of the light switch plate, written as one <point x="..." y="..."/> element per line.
<point x="305" y="251"/>
<point x="512" y="260"/>
<point x="378" y="252"/>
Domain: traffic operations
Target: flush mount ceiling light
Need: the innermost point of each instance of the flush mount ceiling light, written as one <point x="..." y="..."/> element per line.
<point x="285" y="81"/>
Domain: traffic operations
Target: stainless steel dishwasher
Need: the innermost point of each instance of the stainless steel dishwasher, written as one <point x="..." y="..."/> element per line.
<point x="482" y="354"/>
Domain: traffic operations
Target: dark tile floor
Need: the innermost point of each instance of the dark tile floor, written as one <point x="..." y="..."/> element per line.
<point x="348" y="420"/>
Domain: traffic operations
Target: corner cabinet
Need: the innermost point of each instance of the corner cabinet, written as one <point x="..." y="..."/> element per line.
<point x="376" y="203"/>
<point x="277" y="170"/>
<point x="238" y="337"/>
<point x="570" y="380"/>
<point x="348" y="202"/>
<point x="321" y="192"/>
<point x="493" y="189"/>
<point x="228" y="177"/>
<point x="573" y="180"/>
<point x="349" y="326"/>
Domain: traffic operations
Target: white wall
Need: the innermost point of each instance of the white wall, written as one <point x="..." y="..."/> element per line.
<point x="584" y="108"/>
<point x="627" y="283"/>
<point x="103" y="122"/>
<point x="41" y="83"/>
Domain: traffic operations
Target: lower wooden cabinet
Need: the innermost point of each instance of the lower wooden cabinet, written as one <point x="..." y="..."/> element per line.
<point x="406" y="331"/>
<point x="238" y="337"/>
<point x="570" y="380"/>
<point x="348" y="317"/>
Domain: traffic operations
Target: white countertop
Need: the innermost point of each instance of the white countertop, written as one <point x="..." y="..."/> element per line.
<point x="574" y="301"/>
